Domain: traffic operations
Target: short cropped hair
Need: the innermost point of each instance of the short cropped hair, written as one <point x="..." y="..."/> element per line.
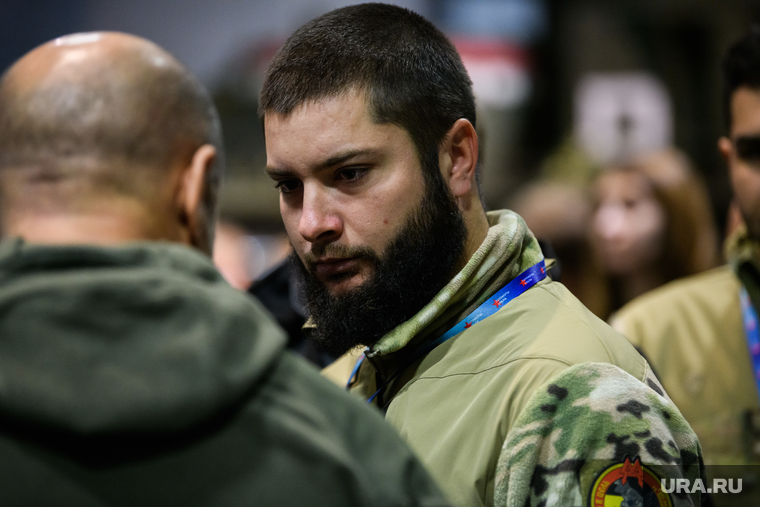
<point x="115" y="115"/>
<point x="410" y="72"/>
<point x="741" y="67"/>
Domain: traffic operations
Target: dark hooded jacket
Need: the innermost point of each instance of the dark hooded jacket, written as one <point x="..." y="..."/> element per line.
<point x="135" y="375"/>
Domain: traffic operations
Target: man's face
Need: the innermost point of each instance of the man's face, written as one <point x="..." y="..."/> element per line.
<point x="347" y="185"/>
<point x="742" y="151"/>
<point x="374" y="240"/>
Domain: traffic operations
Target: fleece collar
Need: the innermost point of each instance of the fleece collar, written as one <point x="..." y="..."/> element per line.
<point x="743" y="254"/>
<point x="509" y="249"/>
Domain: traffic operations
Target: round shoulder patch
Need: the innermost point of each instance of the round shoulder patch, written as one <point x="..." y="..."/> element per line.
<point x="627" y="484"/>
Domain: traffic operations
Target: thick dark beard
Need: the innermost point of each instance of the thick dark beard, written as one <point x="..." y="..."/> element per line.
<point x="416" y="265"/>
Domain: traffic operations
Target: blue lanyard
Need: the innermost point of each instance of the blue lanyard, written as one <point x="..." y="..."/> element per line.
<point x="749" y="316"/>
<point x="510" y="291"/>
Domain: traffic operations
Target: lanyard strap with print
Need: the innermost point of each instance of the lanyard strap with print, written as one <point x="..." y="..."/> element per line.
<point x="510" y="291"/>
<point x="749" y="316"/>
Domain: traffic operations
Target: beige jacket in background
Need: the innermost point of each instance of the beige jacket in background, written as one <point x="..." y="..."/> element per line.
<point x="691" y="332"/>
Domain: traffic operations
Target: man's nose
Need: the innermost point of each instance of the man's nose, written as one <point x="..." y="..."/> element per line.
<point x="320" y="220"/>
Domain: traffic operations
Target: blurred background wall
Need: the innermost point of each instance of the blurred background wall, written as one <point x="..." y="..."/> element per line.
<point x="564" y="87"/>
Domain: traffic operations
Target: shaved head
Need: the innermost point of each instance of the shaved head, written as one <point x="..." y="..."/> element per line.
<point x="101" y="113"/>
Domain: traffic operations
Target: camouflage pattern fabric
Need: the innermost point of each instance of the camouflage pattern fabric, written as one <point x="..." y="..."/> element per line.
<point x="592" y="418"/>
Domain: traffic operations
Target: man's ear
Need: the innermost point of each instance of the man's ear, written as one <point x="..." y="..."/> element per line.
<point x="459" y="158"/>
<point x="725" y="147"/>
<point x="192" y="188"/>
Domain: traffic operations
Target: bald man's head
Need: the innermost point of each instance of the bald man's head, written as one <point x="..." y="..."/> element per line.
<point x="94" y="114"/>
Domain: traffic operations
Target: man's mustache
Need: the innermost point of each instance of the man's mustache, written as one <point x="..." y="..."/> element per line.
<point x="333" y="251"/>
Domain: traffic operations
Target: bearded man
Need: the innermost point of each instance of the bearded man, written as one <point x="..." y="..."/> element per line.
<point x="510" y="391"/>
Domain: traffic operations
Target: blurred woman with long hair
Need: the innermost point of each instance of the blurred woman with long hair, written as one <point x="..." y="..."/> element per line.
<point x="652" y="223"/>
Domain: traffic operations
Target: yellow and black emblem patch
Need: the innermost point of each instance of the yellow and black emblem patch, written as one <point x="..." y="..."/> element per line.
<point x="626" y="484"/>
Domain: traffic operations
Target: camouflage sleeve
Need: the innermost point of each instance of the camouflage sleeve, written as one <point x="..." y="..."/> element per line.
<point x="597" y="436"/>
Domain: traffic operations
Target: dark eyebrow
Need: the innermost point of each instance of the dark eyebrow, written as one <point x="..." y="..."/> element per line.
<point x="338" y="159"/>
<point x="344" y="157"/>
<point x="278" y="173"/>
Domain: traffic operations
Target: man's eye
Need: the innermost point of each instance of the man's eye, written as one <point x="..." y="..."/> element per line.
<point x="287" y="186"/>
<point x="351" y="173"/>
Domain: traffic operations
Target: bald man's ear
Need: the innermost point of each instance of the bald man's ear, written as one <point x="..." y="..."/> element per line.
<point x="458" y="158"/>
<point x="190" y="197"/>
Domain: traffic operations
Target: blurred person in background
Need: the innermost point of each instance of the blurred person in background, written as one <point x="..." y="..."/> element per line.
<point x="132" y="373"/>
<point x="480" y="361"/>
<point x="652" y="223"/>
<point x="243" y="257"/>
<point x="233" y="256"/>
<point x="559" y="212"/>
<point x="701" y="332"/>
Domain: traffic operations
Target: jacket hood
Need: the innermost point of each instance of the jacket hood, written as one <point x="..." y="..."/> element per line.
<point x="140" y="339"/>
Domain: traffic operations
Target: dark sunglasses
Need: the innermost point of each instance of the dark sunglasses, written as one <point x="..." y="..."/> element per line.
<point x="748" y="148"/>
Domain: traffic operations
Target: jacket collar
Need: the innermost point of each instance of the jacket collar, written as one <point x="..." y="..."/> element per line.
<point x="509" y="249"/>
<point x="743" y="254"/>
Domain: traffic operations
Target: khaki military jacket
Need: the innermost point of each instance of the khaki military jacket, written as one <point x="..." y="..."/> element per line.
<point x="691" y="331"/>
<point x="535" y="402"/>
